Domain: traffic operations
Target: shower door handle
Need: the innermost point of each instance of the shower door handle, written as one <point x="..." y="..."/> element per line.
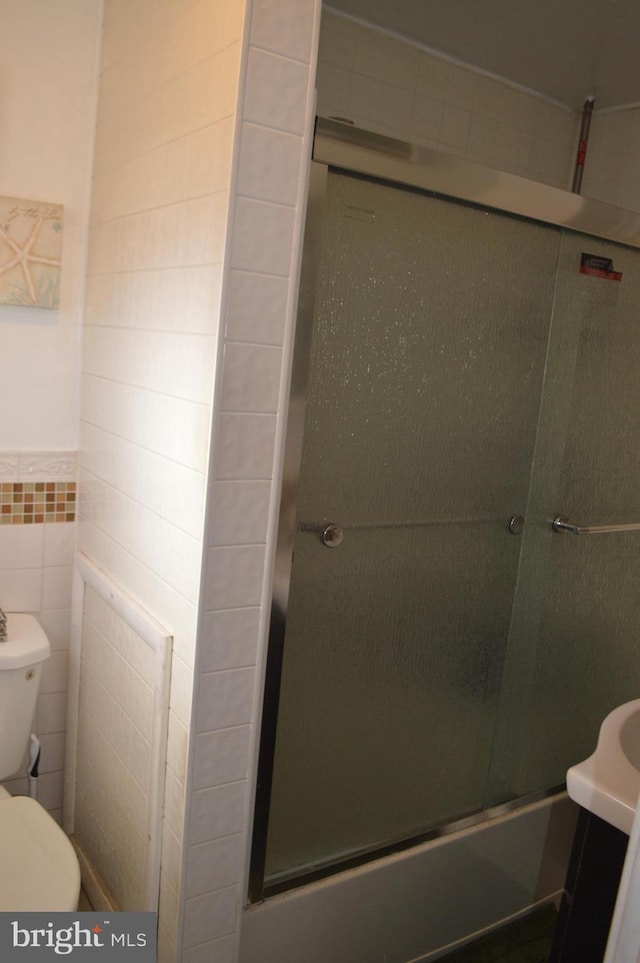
<point x="332" y="535"/>
<point x="562" y="524"/>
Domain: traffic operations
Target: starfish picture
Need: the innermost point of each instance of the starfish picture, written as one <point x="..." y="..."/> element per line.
<point x="30" y="248"/>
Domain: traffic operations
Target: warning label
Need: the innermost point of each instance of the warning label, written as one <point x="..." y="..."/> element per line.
<point x="599" y="267"/>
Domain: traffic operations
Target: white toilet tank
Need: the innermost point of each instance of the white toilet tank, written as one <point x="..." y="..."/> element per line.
<point x="21" y="659"/>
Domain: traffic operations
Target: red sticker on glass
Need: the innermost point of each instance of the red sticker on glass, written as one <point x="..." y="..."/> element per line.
<point x="599" y="267"/>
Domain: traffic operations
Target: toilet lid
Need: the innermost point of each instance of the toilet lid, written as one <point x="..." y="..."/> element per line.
<point x="38" y="866"/>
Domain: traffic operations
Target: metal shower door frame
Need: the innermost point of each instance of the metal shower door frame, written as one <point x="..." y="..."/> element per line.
<point x="344" y="148"/>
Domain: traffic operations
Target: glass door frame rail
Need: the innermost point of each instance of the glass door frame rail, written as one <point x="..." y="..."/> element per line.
<point x="345" y="148"/>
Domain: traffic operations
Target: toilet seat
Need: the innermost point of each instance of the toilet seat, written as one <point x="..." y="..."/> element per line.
<point x="39" y="869"/>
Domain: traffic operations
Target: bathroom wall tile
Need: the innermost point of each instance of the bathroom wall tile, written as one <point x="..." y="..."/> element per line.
<point x="245" y="445"/>
<point x="56" y="587"/>
<point x="241" y="512"/>
<point x="181" y="684"/>
<point x="426" y="119"/>
<point x="171" y="490"/>
<point x="201" y="173"/>
<point x="18" y="786"/>
<point x="22" y="546"/>
<point x="217" y="812"/>
<point x="269" y="165"/>
<point x="506" y="145"/>
<point x="489" y="97"/>
<point x="212" y="30"/>
<point x="284" y="27"/>
<point x="257" y="307"/>
<point x="433" y="76"/>
<point x="168" y="910"/>
<point x="461" y="89"/>
<point x="333" y="86"/>
<point x="214" y="865"/>
<point x="177" y="740"/>
<point x="171" y="853"/>
<point x="234" y="576"/>
<point x="262" y="237"/>
<point x="222" y="951"/>
<point x="225" y="699"/>
<point x="174" y="803"/>
<point x="338" y="40"/>
<point x="454" y="129"/>
<point x="403" y="65"/>
<point x="221" y="757"/>
<point x="229" y="639"/>
<point x="395" y="111"/>
<point x="59" y="546"/>
<point x="54" y="673"/>
<point x="372" y="51"/>
<point x="473" y="103"/>
<point x="211" y="916"/>
<point x="48" y="466"/>
<point x="50" y="789"/>
<point x="21" y="591"/>
<point x="57" y="625"/>
<point x="171" y="427"/>
<point x="482" y="134"/>
<point x="51" y="752"/>
<point x="251" y="378"/>
<point x="276" y="92"/>
<point x="164" y="362"/>
<point x="9" y="462"/>
<point x="51" y="712"/>
<point x="365" y="100"/>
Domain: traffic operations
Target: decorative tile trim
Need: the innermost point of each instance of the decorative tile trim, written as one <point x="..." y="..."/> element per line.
<point x="26" y="503"/>
<point x="45" y="465"/>
<point x="28" y="466"/>
<point x="9" y="465"/>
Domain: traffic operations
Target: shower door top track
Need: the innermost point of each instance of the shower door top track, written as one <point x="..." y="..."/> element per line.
<point x="362" y="152"/>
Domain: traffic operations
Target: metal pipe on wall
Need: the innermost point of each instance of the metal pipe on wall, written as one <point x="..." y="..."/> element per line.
<point x="583" y="143"/>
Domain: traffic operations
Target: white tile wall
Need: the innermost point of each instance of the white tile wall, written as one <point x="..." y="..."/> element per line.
<point x="393" y="87"/>
<point x="610" y="172"/>
<point x="164" y="141"/>
<point x="258" y="294"/>
<point x="35" y="576"/>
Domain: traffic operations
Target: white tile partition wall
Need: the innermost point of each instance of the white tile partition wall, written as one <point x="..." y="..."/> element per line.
<point x="385" y="84"/>
<point x="259" y="296"/>
<point x="164" y="138"/>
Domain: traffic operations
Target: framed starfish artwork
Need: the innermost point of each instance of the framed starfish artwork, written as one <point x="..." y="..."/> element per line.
<point x="30" y="252"/>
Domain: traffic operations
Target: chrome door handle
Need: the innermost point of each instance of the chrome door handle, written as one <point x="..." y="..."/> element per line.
<point x="562" y="524"/>
<point x="332" y="535"/>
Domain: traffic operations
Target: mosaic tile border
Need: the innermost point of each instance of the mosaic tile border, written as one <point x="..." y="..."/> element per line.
<point x="26" y="503"/>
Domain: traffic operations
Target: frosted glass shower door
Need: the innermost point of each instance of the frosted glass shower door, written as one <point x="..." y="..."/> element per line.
<point x="573" y="648"/>
<point x="427" y="363"/>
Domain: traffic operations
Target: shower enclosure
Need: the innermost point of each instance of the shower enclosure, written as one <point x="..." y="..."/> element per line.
<point x="439" y="647"/>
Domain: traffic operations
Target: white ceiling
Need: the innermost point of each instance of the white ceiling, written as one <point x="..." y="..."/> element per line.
<point x="566" y="49"/>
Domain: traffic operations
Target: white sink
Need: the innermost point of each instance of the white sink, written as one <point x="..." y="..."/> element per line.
<point x="608" y="782"/>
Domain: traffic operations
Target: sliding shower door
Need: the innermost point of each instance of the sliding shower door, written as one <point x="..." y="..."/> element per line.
<point x="573" y="649"/>
<point x="427" y="365"/>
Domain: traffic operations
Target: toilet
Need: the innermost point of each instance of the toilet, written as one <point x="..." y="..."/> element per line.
<point x="39" y="870"/>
